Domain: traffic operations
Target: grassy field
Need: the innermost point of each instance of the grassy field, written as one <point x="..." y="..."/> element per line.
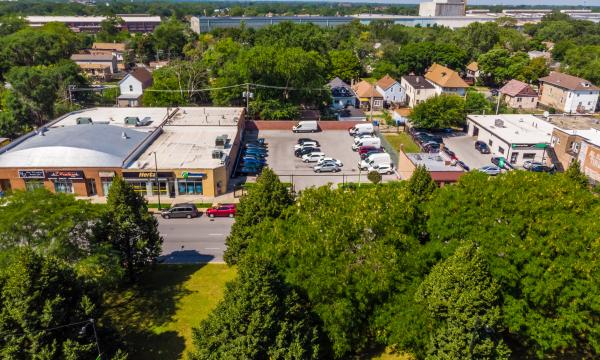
<point x="405" y="139"/>
<point x="157" y="316"/>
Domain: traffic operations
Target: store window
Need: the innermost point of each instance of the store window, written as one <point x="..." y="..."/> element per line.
<point x="162" y="186"/>
<point x="501" y="150"/>
<point x="138" y="186"/>
<point x="528" y="156"/>
<point x="91" y="187"/>
<point x="63" y="186"/>
<point x="106" y="183"/>
<point x="190" y="187"/>
<point x="32" y="184"/>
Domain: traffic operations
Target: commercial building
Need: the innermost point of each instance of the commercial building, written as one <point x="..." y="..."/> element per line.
<point x="202" y="24"/>
<point x="519" y="95"/>
<point x="131" y="22"/>
<point x="174" y="152"/>
<point x="442" y="170"/>
<point x="97" y="67"/>
<point x="443" y="8"/>
<point x="516" y="137"/>
<point x="567" y="93"/>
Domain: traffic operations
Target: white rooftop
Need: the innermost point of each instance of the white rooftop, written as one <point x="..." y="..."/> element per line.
<point x="433" y="162"/>
<point x="116" y="116"/>
<point x="90" y="19"/>
<point x="516" y="128"/>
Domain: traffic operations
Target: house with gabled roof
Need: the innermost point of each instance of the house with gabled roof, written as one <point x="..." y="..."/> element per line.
<point x="519" y="95"/>
<point x="391" y="90"/>
<point x="342" y="95"/>
<point x="132" y="87"/>
<point x="445" y="80"/>
<point x="567" y="93"/>
<point x="368" y="95"/>
<point x="416" y="89"/>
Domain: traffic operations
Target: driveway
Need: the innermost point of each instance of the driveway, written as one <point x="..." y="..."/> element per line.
<point x="464" y="148"/>
<point x="198" y="240"/>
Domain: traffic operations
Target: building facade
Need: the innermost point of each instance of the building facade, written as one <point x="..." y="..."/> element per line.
<point x="416" y="89"/>
<point x="519" y="95"/>
<point x="442" y="8"/>
<point x="446" y="81"/>
<point x="368" y="95"/>
<point x="132" y="87"/>
<point x="342" y="95"/>
<point x="92" y="24"/>
<point x="568" y="94"/>
<point x="392" y="92"/>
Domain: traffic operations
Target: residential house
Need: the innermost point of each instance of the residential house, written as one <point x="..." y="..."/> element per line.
<point x="94" y="64"/>
<point x="446" y="81"/>
<point x="132" y="87"/>
<point x="342" y="95"/>
<point x="116" y="49"/>
<point x="567" y="93"/>
<point x="391" y="90"/>
<point x="534" y="54"/>
<point x="368" y="95"/>
<point x="417" y="89"/>
<point x="519" y="95"/>
<point x="400" y="115"/>
<point x="96" y="72"/>
<point x="472" y="71"/>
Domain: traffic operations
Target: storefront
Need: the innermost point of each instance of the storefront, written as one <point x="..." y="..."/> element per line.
<point x="64" y="181"/>
<point x="145" y="182"/>
<point x="190" y="183"/>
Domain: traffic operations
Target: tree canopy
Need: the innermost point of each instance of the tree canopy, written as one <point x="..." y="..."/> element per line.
<point x="439" y="112"/>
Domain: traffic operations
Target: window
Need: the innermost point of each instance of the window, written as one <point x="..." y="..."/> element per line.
<point x="490" y="142"/>
<point x="32" y="184"/>
<point x="106" y="183"/>
<point x="519" y="99"/>
<point x="162" y="185"/>
<point x="190" y="187"/>
<point x="528" y="156"/>
<point x="377" y="103"/>
<point x="91" y="187"/>
<point x="131" y="88"/>
<point x="139" y="187"/>
<point x="513" y="157"/>
<point x="418" y="92"/>
<point x="63" y="186"/>
<point x="501" y="150"/>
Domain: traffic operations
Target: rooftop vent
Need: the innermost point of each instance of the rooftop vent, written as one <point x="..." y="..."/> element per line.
<point x="221" y="141"/>
<point x="144" y="122"/>
<point x="131" y="120"/>
<point x="499" y="123"/>
<point x="83" y="120"/>
<point x="124" y="135"/>
<point x="217" y="154"/>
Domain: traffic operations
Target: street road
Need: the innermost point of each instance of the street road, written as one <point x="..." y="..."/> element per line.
<point x="197" y="240"/>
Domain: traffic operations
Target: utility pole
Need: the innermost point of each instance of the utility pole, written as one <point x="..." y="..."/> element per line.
<point x="156" y="178"/>
<point x="247" y="100"/>
<point x="498" y="104"/>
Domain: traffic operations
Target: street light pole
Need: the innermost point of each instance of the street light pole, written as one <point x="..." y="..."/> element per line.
<point x="156" y="178"/>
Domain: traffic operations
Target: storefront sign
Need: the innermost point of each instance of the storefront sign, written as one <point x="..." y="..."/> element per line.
<point x="32" y="174"/>
<point x="192" y="175"/>
<point x="146" y="175"/>
<point x="106" y="174"/>
<point x="529" y="146"/>
<point x="65" y="174"/>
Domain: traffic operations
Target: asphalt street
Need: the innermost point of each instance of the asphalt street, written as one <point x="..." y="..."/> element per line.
<point x="198" y="240"/>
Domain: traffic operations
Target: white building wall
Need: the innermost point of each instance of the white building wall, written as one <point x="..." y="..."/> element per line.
<point x="394" y="94"/>
<point x="586" y="99"/>
<point x="131" y="85"/>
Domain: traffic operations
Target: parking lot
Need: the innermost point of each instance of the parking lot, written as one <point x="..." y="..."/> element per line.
<point x="464" y="148"/>
<point x="334" y="143"/>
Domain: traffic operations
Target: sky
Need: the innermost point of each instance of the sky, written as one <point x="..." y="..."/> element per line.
<point x="496" y="2"/>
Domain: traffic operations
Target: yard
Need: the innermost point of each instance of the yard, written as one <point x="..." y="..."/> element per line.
<point x="157" y="316"/>
<point x="403" y="138"/>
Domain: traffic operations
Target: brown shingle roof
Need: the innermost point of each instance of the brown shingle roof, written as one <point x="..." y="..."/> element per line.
<point x="90" y="57"/>
<point x="108" y="46"/>
<point x="568" y="82"/>
<point x="516" y="87"/>
<point x="143" y="75"/>
<point x="365" y="89"/>
<point x="473" y="66"/>
<point x="445" y="77"/>
<point x="386" y="82"/>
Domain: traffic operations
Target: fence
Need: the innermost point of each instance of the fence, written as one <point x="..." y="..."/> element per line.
<point x="389" y="148"/>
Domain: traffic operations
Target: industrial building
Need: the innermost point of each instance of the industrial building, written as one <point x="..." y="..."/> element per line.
<point x="168" y="151"/>
<point x="202" y="24"/>
<point x="131" y="22"/>
<point x="443" y="8"/>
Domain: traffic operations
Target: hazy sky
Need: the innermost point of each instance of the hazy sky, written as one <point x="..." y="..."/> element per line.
<point x="499" y="2"/>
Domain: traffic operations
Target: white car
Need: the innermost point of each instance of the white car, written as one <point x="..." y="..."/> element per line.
<point x="331" y="160"/>
<point x="306" y="144"/>
<point x="382" y="169"/>
<point x="362" y="136"/>
<point x="313" y="157"/>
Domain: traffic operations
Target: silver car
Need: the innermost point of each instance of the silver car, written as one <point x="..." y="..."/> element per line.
<point x="492" y="170"/>
<point x="327" y="167"/>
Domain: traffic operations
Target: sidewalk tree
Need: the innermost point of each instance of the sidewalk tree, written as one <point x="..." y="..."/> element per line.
<point x="266" y="200"/>
<point x="129" y="228"/>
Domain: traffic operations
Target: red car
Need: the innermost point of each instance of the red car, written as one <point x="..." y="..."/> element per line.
<point x="221" y="211"/>
<point x="366" y="149"/>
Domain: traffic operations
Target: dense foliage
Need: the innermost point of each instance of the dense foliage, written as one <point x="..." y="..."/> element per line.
<point x="485" y="268"/>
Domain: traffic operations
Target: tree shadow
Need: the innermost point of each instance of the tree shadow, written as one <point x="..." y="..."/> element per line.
<point x="185" y="257"/>
<point x="140" y="310"/>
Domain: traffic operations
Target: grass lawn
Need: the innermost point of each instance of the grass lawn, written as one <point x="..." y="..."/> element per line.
<point x="156" y="317"/>
<point x="405" y="139"/>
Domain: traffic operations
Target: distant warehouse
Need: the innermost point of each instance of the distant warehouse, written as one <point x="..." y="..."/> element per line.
<point x="201" y="24"/>
<point x="174" y="152"/>
<point x="131" y="22"/>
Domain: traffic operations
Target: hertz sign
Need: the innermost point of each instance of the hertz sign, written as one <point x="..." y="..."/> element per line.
<point x="146" y="175"/>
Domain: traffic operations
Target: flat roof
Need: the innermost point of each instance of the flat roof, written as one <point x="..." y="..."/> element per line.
<point x="587" y="127"/>
<point x="116" y="116"/>
<point x="516" y="128"/>
<point x="90" y="19"/>
<point x="433" y="162"/>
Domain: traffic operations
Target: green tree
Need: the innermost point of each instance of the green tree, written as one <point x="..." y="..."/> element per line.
<point x="182" y="78"/>
<point x="576" y="175"/>
<point x="479" y="37"/>
<point x="345" y="65"/>
<point x="267" y="199"/>
<point x="498" y="66"/>
<point x="39" y="293"/>
<point x="260" y="317"/>
<point x="439" y="112"/>
<point x="273" y="110"/>
<point x="374" y="177"/>
<point x="463" y="304"/>
<point x="130" y="229"/>
<point x="583" y="61"/>
<point x="169" y="38"/>
<point x="10" y="24"/>
<point x="476" y="103"/>
<point x="110" y="29"/>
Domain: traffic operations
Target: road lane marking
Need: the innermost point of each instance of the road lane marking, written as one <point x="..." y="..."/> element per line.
<point x="212" y="248"/>
<point x="216" y="234"/>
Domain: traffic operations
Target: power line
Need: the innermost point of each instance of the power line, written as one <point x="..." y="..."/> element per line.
<point x="208" y="89"/>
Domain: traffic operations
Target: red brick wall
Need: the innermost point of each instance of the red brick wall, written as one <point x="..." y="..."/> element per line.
<point x="287" y="125"/>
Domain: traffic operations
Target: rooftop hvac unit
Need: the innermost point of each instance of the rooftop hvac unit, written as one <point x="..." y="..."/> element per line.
<point x="144" y="122"/>
<point x="131" y="120"/>
<point x="217" y="154"/>
<point x="499" y="123"/>
<point x="83" y="120"/>
<point x="221" y="141"/>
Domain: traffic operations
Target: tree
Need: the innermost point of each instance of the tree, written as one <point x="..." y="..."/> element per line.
<point x="575" y="174"/>
<point x="39" y="293"/>
<point x="110" y="29"/>
<point x="439" y="112"/>
<point x="170" y="38"/>
<point x="463" y="304"/>
<point x="421" y="186"/>
<point x="345" y="65"/>
<point x="267" y="199"/>
<point x="10" y="24"/>
<point x="260" y="317"/>
<point x="583" y="61"/>
<point x="479" y="37"/>
<point x="374" y="177"/>
<point x="476" y="103"/>
<point x="182" y="78"/>
<point x="498" y="66"/>
<point x="273" y="110"/>
<point x="130" y="229"/>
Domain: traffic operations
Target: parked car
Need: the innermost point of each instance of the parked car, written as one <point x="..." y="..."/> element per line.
<point x="259" y="141"/>
<point x="327" y="167"/>
<point x="305" y="140"/>
<point x="306" y="126"/>
<point x="180" y="211"/>
<point x="250" y="170"/>
<point x="366" y="149"/>
<point x="450" y="153"/>
<point x="431" y="147"/>
<point x="307" y="150"/>
<point x="382" y="169"/>
<point x="255" y="147"/>
<point x="253" y="158"/>
<point x="482" y="147"/>
<point x="528" y="164"/>
<point x="501" y="162"/>
<point x="366" y="155"/>
<point x="306" y="144"/>
<point x="542" y="168"/>
<point x="313" y="157"/>
<point x="223" y="210"/>
<point x="463" y="165"/>
<point x="256" y="154"/>
<point x="494" y="92"/>
<point x="490" y="169"/>
<point x="330" y="160"/>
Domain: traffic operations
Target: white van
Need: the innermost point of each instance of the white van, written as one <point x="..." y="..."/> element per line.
<point x="366" y="128"/>
<point x="372" y="141"/>
<point x="375" y="159"/>
<point x="306" y="126"/>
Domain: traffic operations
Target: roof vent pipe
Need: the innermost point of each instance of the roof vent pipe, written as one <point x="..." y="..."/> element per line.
<point x="124" y="135"/>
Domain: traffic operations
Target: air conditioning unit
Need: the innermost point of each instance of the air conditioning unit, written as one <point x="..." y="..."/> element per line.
<point x="217" y="154"/>
<point x="221" y="141"/>
<point x="83" y="120"/>
<point x="499" y="123"/>
<point x="131" y="120"/>
<point x="144" y="122"/>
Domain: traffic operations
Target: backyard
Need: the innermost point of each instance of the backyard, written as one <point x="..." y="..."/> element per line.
<point x="402" y="138"/>
<point x="156" y="317"/>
